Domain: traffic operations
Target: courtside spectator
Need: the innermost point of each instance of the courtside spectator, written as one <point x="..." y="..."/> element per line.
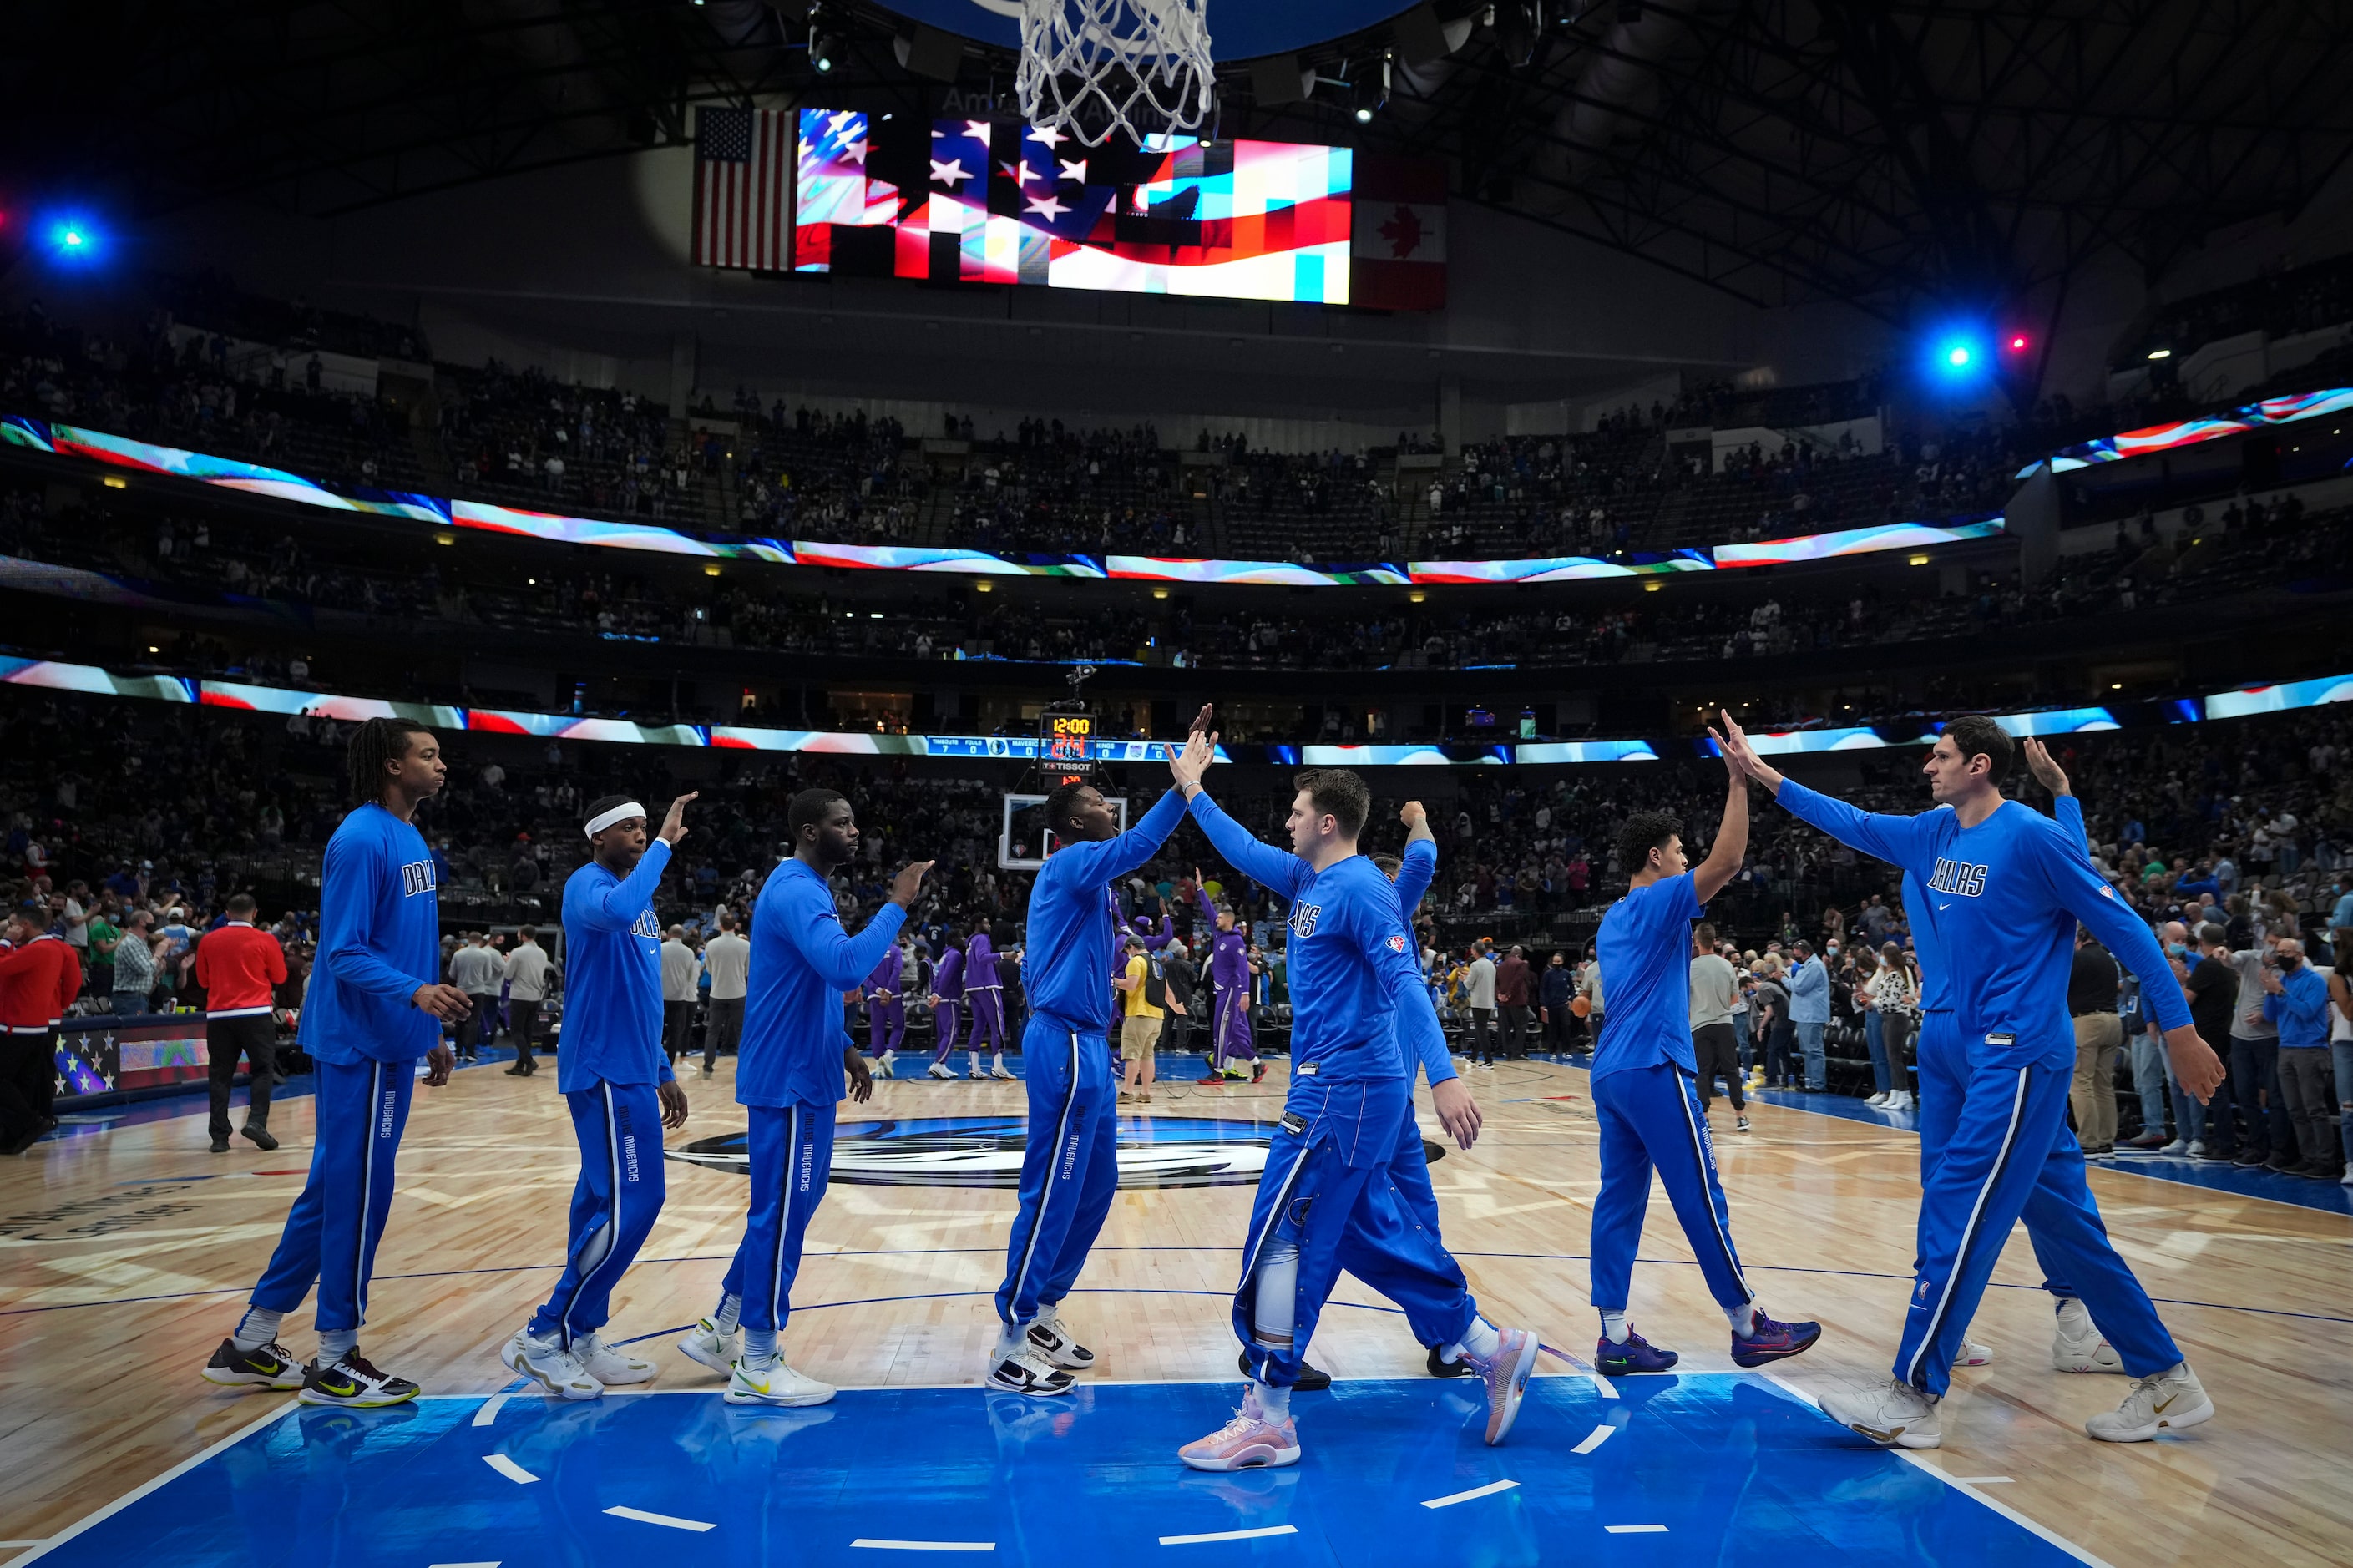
<point x="1809" y="1011"/>
<point x="2099" y="1038"/>
<point x="240" y="969"/>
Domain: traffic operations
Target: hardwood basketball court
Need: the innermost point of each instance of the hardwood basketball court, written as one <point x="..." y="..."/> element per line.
<point x="126" y="1251"/>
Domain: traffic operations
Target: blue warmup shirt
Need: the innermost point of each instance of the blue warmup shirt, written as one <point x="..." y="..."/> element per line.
<point x="802" y="961"/>
<point x="1935" y="984"/>
<point x="612" y="977"/>
<point x="1351" y="961"/>
<point x="1644" y="950"/>
<point x="1416" y="866"/>
<point x="2005" y="897"/>
<point x="1074" y="920"/>
<point x="379" y="940"/>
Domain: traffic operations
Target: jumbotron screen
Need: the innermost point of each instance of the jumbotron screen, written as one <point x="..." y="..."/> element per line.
<point x="978" y="201"/>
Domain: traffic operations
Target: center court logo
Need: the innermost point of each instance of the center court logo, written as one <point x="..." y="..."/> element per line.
<point x="985" y="1151"/>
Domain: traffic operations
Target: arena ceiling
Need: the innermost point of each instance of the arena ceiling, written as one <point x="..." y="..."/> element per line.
<point x="1895" y="156"/>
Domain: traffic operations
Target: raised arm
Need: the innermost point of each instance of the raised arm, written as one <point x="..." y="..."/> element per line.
<point x="617" y="906"/>
<point x="1731" y="847"/>
<point x="811" y="927"/>
<point x="1115" y="858"/>
<point x="2083" y="894"/>
<point x="1418" y="864"/>
<point x="1898" y="839"/>
<point x="1278" y="870"/>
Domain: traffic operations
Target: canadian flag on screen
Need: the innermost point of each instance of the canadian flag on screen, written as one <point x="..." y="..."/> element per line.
<point x="1398" y="234"/>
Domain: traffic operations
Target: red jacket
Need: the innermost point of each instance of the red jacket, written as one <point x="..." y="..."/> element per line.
<point x="37" y="983"/>
<point x="237" y="965"/>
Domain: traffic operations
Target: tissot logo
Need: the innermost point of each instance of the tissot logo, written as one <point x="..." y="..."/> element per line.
<point x="985" y="1151"/>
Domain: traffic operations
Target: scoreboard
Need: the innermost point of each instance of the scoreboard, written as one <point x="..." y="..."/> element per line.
<point x="1066" y="747"/>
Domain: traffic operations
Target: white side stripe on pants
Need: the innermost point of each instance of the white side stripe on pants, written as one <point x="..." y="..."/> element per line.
<point x="1037" y="1220"/>
<point x="1968" y="1231"/>
<point x="784" y="1216"/>
<point x="367" y="1191"/>
<point x="1699" y="1153"/>
<point x="612" y="1219"/>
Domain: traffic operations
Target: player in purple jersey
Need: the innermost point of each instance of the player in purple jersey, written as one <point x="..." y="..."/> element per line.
<point x="947" y="999"/>
<point x="1232" y="967"/>
<point x="886" y="1014"/>
<point x="985" y="994"/>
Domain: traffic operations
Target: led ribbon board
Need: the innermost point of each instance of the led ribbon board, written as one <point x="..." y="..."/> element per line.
<point x="2181" y="433"/>
<point x="556" y="527"/>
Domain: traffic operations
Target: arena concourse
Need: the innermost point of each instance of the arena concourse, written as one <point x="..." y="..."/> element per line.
<point x="641" y="642"/>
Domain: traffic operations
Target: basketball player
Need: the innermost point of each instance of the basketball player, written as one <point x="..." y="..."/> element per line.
<point x="946" y="998"/>
<point x="1645" y="1094"/>
<point x="620" y="1082"/>
<point x="788" y="1074"/>
<point x="1230" y="971"/>
<point x="1069" y="1165"/>
<point x="2076" y="1345"/>
<point x="1457" y="1111"/>
<point x="375" y="1005"/>
<point x="2005" y="887"/>
<point x="1325" y="1201"/>
<point x="986" y="994"/>
<point x="886" y="1014"/>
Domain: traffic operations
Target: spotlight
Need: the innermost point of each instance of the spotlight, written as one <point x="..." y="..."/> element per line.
<point x="1372" y="100"/>
<point x="824" y="49"/>
<point x="2161" y="353"/>
<point x="74" y="239"/>
<point x="2018" y="343"/>
<point x="1957" y="356"/>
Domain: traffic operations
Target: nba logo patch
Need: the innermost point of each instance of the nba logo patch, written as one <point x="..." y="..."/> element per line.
<point x="1396" y="944"/>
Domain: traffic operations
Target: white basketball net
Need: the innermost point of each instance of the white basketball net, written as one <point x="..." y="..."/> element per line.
<point x="1095" y="67"/>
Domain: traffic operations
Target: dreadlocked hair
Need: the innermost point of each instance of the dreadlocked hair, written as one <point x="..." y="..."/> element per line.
<point x="376" y="742"/>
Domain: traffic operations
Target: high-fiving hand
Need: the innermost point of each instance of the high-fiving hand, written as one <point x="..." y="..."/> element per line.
<point x="1185" y="767"/>
<point x="1740" y="757"/>
<point x="673" y="828"/>
<point x="2045" y="767"/>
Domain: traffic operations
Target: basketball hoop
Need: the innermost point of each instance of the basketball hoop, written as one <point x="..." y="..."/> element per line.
<point x="1095" y="67"/>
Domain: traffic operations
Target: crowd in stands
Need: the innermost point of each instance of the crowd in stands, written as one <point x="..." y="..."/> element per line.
<point x="520" y="438"/>
<point x="277" y="411"/>
<point x="2250" y="545"/>
<point x="1054" y="490"/>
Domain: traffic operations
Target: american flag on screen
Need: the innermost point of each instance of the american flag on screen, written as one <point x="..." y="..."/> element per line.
<point x="742" y="188"/>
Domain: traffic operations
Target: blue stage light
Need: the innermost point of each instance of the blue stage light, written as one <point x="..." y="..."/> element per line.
<point x="74" y="239"/>
<point x="1958" y="356"/>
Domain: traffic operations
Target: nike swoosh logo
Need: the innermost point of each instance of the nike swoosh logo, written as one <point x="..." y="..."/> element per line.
<point x="2161" y="1403"/>
<point x="345" y="1392"/>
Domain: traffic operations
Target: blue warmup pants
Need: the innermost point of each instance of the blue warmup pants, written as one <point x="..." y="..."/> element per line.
<point x="1652" y="1120"/>
<point x="1069" y="1165"/>
<point x="791" y="1148"/>
<point x="987" y="1005"/>
<point x="944" y="1026"/>
<point x="614" y="1203"/>
<point x="331" y="1233"/>
<point x="2005" y="1154"/>
<point x="1415" y="1206"/>
<point x="1943" y="1064"/>
<point x="886" y="1025"/>
<point x="1327" y="1190"/>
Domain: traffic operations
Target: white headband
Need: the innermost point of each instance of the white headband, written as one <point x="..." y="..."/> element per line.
<point x="604" y="819"/>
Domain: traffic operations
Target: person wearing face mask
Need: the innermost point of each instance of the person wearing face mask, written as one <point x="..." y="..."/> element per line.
<point x="2295" y="1000"/>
